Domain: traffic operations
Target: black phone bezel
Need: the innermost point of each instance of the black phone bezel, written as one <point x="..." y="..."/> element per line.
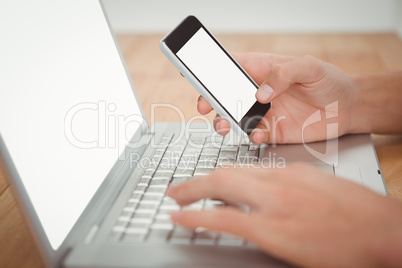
<point x="180" y="36"/>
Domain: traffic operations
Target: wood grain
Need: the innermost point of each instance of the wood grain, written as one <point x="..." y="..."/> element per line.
<point x="157" y="81"/>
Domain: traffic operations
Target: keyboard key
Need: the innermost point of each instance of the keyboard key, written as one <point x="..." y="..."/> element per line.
<point x="118" y="228"/>
<point x="135" y="197"/>
<point x="159" y="152"/>
<point x="226" y="239"/>
<point x="147" y="208"/>
<point x="121" y="223"/>
<point x="225" y="162"/>
<point x="249" y="154"/>
<point x="148" y="173"/>
<point x="178" y="180"/>
<point x="212" y="143"/>
<point x="244" y="161"/>
<point x="159" y="183"/>
<point x="250" y="245"/>
<point x="152" y="164"/>
<point x="202" y="171"/>
<point x="253" y="147"/>
<point x="158" y="235"/>
<point x="125" y="216"/>
<point x="229" y="148"/>
<point x="206" y="158"/>
<point x="142" y="220"/>
<point x="165" y="140"/>
<point x="163" y="170"/>
<point x="139" y="189"/>
<point x="144" y="181"/>
<point x="191" y="153"/>
<point x="189" y="158"/>
<point x="227" y="155"/>
<point x="162" y="215"/>
<point x="139" y="215"/>
<point x="185" y="173"/>
<point x="203" y="236"/>
<point x="154" y="160"/>
<point x="243" y="149"/>
<point x="195" y="206"/>
<point x="173" y="153"/>
<point x="129" y="209"/>
<point x="213" y="204"/>
<point x="162" y="221"/>
<point x="140" y="225"/>
<point x="171" y="207"/>
<point x="181" y="235"/>
<point x="196" y="140"/>
<point x="155" y="191"/>
<point x="162" y="226"/>
<point x="210" y="164"/>
<point x="136" y="231"/>
<point x="210" y="151"/>
<point x="169" y="161"/>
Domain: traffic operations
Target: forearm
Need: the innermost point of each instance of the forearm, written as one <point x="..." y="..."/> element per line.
<point x="377" y="106"/>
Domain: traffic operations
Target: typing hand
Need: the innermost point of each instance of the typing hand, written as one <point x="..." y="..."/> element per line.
<point x="299" y="214"/>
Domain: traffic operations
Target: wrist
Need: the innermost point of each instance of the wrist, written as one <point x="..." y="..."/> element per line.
<point x="376" y="103"/>
<point x="359" y="110"/>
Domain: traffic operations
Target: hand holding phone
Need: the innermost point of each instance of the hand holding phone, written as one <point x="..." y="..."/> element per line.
<point x="215" y="74"/>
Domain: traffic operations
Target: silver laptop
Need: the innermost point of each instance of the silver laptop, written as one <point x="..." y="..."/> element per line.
<point x="89" y="171"/>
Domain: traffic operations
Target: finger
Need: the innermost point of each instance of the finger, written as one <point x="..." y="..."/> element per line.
<point x="221" y="125"/>
<point x="266" y="235"/>
<point x="203" y="106"/>
<point x="262" y="132"/>
<point x="227" y="220"/>
<point x="281" y="76"/>
<point x="254" y="60"/>
<point x="226" y="184"/>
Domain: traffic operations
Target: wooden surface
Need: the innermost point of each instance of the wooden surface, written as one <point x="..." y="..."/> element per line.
<point x="157" y="81"/>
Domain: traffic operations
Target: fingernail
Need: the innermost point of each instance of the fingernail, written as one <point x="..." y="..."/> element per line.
<point x="264" y="92"/>
<point x="175" y="215"/>
<point x="218" y="126"/>
<point x="252" y="138"/>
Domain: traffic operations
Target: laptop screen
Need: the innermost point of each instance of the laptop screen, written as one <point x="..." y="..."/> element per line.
<point x="67" y="109"/>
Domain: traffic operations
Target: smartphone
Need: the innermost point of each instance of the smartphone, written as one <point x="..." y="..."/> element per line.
<point x="211" y="70"/>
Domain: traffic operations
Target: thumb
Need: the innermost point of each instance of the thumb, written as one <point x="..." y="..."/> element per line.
<point x="307" y="69"/>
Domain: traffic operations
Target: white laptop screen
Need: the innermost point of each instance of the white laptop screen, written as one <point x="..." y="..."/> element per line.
<point x="67" y="108"/>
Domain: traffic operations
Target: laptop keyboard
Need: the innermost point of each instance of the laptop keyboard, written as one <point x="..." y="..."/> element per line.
<point x="146" y="215"/>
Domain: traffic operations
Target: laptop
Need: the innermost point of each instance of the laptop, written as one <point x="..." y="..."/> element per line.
<point x="89" y="171"/>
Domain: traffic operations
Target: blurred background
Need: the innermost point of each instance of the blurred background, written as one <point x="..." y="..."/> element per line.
<point x="258" y="16"/>
<point x="355" y="35"/>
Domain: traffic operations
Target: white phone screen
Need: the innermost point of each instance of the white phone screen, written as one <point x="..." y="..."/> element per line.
<point x="217" y="72"/>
